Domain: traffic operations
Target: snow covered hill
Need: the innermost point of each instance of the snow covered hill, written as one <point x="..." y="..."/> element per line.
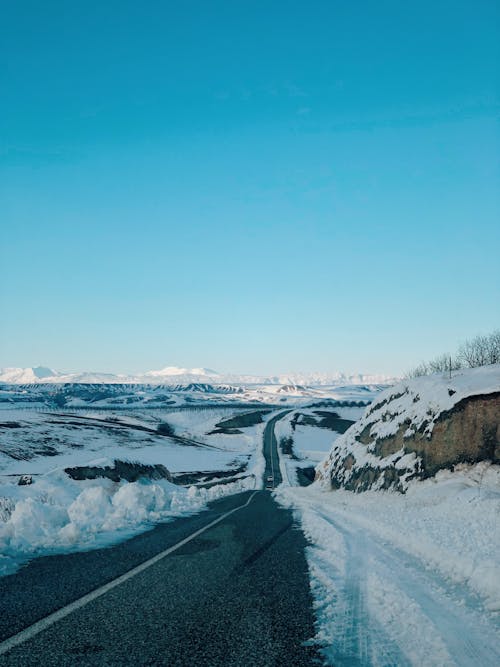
<point x="418" y="427"/>
<point x="72" y="395"/>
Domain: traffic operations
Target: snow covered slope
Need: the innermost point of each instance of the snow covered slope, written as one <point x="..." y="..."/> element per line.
<point x="418" y="427"/>
<point x="70" y="395"/>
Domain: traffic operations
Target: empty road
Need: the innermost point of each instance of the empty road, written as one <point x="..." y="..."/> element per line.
<point x="228" y="586"/>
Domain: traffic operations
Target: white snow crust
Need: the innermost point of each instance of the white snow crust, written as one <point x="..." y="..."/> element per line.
<point x="413" y="578"/>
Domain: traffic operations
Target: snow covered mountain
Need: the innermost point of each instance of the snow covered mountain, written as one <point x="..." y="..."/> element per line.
<point x="28" y="375"/>
<point x="186" y="376"/>
<point x="174" y="371"/>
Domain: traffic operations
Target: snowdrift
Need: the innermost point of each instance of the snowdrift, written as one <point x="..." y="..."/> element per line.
<point x="59" y="514"/>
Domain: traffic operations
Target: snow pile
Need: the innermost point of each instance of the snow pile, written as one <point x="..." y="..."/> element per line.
<point x="387" y="569"/>
<point x="58" y="514"/>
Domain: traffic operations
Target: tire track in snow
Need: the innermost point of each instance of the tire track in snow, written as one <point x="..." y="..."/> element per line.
<point x="468" y="638"/>
<point x="356" y="638"/>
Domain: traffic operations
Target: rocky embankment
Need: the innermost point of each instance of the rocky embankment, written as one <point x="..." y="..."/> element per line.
<point x="416" y="428"/>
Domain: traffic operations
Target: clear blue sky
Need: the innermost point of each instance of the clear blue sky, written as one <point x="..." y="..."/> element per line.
<point x="249" y="186"/>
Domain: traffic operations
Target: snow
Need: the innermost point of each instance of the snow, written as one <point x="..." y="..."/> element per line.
<point x="425" y="563"/>
<point x="415" y="404"/>
<point x="27" y="375"/>
<point x="310" y="442"/>
<point x="420" y="401"/>
<point x="175" y="370"/>
<point x="388" y="569"/>
<point x="188" y="376"/>
<point x="76" y="439"/>
<point x="58" y="514"/>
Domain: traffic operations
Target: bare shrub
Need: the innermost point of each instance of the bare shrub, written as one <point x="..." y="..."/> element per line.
<point x="481" y="350"/>
<point x="478" y="351"/>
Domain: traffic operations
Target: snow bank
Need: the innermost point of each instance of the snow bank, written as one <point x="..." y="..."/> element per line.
<point x="57" y="514"/>
<point x="424" y="562"/>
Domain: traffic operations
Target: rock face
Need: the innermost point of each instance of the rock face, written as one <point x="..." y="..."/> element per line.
<point x="417" y="428"/>
<point x="25" y="480"/>
<point x="121" y="470"/>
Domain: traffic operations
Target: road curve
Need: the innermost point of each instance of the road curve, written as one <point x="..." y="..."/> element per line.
<point x="270" y="450"/>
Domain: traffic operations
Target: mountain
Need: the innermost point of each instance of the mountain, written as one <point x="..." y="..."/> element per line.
<point x="28" y="375"/>
<point x="186" y="376"/>
<point x="170" y="371"/>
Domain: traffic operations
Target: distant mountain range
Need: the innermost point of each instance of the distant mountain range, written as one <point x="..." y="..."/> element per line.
<point x="187" y="376"/>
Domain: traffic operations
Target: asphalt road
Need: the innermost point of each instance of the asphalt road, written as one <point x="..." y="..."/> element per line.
<point x="271" y="453"/>
<point x="235" y="595"/>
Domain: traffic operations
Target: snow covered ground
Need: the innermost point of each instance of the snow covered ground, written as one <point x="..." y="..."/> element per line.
<point x="35" y="442"/>
<point x="57" y="514"/>
<point x="404" y="579"/>
<point x="312" y="443"/>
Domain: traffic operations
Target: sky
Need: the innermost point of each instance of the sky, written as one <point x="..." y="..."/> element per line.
<point x="255" y="187"/>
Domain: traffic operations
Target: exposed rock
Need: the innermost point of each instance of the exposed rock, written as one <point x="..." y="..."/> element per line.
<point x="416" y="429"/>
<point x="25" y="480"/>
<point x="122" y="470"/>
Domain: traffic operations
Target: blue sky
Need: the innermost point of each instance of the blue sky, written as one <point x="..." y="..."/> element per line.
<point x="252" y="186"/>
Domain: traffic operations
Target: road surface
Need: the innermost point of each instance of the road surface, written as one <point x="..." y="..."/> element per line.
<point x="272" y="472"/>
<point x="235" y="592"/>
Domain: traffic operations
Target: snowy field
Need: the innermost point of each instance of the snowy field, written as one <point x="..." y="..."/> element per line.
<point x="312" y="443"/>
<point x="36" y="442"/>
<point x="409" y="579"/>
<point x="56" y="513"/>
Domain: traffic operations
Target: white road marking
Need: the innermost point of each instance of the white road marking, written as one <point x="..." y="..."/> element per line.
<point x="33" y="630"/>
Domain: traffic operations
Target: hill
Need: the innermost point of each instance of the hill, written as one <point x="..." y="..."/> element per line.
<point x="416" y="428"/>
